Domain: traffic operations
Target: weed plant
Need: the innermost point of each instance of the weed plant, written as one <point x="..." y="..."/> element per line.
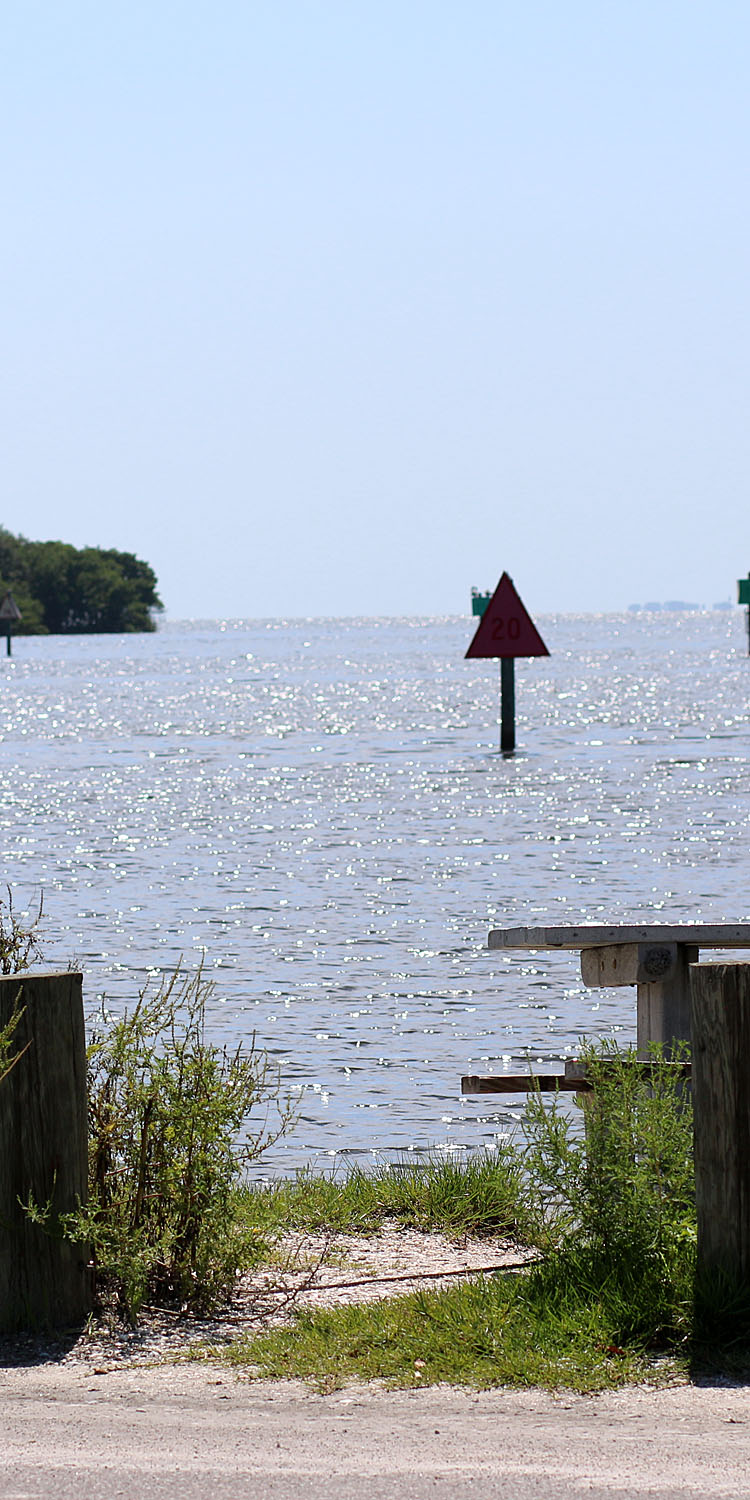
<point x="166" y="1111"/>
<point x="9" y="1053"/>
<point x="19" y="939"/>
<point x="615" y="1206"/>
<point x="19" y="946"/>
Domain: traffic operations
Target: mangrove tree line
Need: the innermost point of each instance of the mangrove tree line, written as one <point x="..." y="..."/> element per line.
<point x="65" y="590"/>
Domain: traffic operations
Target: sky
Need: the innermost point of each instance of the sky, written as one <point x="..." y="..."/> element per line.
<point x="341" y="307"/>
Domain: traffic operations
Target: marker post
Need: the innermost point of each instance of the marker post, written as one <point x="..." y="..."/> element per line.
<point x="505" y="630"/>
<point x="10" y="615"/>
<point x="508" y="705"/>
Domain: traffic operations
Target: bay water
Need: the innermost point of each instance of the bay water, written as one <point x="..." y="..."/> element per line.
<point x="318" y="810"/>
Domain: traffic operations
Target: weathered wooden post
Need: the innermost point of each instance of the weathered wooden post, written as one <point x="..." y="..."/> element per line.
<point x="660" y="971"/>
<point x="720" y="998"/>
<point x="45" y="1281"/>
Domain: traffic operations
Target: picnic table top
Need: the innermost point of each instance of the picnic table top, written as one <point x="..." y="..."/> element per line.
<point x="697" y="934"/>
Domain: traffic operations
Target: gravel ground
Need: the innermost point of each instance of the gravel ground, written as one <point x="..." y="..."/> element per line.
<point x="182" y="1432"/>
<point x="313" y="1270"/>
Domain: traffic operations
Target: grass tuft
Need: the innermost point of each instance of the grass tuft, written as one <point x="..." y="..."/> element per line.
<point x="482" y="1196"/>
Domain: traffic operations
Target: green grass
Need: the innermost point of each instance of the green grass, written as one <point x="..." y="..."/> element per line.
<point x="482" y="1196"/>
<point x="511" y="1330"/>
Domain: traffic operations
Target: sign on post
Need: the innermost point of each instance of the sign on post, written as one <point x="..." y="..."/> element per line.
<point x="10" y="614"/>
<point x="505" y="631"/>
<point x="743" y="597"/>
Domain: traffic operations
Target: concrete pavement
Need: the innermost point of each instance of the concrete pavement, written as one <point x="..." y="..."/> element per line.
<point x="198" y="1430"/>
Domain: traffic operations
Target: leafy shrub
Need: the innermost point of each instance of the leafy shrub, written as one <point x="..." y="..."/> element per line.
<point x="615" y="1206"/>
<point x="166" y="1112"/>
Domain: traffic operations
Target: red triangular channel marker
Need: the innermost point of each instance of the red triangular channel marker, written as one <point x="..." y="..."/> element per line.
<point x="506" y="628"/>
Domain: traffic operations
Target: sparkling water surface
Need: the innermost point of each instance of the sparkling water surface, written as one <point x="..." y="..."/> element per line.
<point x="320" y="808"/>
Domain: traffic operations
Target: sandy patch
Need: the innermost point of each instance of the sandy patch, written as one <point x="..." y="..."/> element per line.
<point x="309" y="1270"/>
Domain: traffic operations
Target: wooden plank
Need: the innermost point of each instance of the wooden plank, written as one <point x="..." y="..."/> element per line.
<point x="720" y="995"/>
<point x="521" y="1083"/>
<point x="701" y="935"/>
<point x="45" y="1281"/>
<point x="628" y="963"/>
<point x="575" y="1079"/>
<point x="574" y="1068"/>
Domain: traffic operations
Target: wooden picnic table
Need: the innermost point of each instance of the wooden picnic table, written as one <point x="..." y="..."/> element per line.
<point x="656" y="958"/>
<point x="679" y="1000"/>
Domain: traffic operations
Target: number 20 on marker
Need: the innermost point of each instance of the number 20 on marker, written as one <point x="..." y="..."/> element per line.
<point x="513" y="629"/>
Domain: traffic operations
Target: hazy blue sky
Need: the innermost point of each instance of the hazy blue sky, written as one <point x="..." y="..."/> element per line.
<point x="343" y="307"/>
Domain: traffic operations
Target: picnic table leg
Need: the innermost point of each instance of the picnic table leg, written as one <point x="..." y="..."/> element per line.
<point x="661" y="973"/>
<point x="663" y="1008"/>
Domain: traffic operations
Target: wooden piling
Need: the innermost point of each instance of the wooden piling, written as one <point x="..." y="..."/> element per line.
<point x="45" y="1281"/>
<point x="720" y="1002"/>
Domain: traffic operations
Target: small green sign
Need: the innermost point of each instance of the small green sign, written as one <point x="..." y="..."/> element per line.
<point x="479" y="602"/>
<point x="743" y="585"/>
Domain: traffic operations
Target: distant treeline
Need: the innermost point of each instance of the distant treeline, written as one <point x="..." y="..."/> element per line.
<point x="64" y="590"/>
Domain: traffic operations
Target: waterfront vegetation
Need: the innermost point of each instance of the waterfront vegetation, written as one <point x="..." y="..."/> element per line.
<point x="481" y="1195"/>
<point x="603" y="1218"/>
<point x="167" y="1219"/>
<point x="19" y="946"/>
<point x="610" y="1213"/>
<point x="64" y="590"/>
